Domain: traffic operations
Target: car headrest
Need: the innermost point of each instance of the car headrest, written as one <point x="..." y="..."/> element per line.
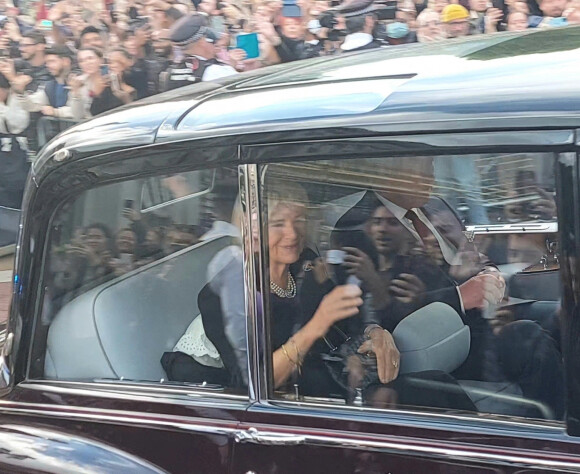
<point x="432" y="338"/>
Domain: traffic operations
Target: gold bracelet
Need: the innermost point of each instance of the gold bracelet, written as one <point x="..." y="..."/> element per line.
<point x="296" y="365"/>
<point x="298" y="354"/>
<point x="288" y="355"/>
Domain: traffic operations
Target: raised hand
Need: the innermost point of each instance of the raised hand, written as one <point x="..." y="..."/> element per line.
<point x="407" y="288"/>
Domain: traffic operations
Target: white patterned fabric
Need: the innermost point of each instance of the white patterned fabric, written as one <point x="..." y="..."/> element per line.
<point x="195" y="343"/>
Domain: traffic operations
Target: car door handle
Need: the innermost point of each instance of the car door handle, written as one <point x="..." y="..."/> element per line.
<point x="252" y="435"/>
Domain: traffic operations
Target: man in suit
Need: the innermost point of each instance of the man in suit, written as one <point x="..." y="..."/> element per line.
<point x="448" y="269"/>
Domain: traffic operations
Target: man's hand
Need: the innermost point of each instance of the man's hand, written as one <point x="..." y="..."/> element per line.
<point x="359" y="264"/>
<point x="19" y="83"/>
<point x="492" y="17"/>
<point x="237" y="57"/>
<point x="544" y="207"/>
<point x="407" y="288"/>
<point x="482" y="290"/>
<point x="47" y="110"/>
<point x="131" y="214"/>
<point x="7" y="69"/>
<point x="266" y="28"/>
<point x="381" y="342"/>
<point x="466" y="263"/>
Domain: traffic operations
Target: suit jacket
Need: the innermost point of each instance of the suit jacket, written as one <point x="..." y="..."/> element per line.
<point x="440" y="285"/>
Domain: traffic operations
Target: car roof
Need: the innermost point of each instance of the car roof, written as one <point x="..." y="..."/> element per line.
<point x="496" y="81"/>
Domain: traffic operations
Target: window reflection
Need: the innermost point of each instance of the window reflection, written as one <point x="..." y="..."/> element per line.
<point x="417" y="282"/>
<point x="145" y="284"/>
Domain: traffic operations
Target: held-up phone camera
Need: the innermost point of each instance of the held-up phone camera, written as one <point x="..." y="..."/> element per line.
<point x="291" y="11"/>
<point x="249" y="43"/>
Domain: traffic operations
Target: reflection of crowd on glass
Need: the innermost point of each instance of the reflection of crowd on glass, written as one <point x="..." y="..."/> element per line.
<point x="66" y="61"/>
<point x="95" y="253"/>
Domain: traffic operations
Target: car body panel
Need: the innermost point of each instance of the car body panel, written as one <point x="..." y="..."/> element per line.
<point x="195" y="431"/>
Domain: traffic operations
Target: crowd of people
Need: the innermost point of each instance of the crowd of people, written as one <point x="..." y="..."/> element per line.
<point x="74" y="59"/>
<point x="67" y="61"/>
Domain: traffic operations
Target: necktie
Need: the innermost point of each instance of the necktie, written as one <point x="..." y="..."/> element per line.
<point x="421" y="228"/>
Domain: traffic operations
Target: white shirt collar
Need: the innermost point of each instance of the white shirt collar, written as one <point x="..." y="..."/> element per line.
<point x="356" y="40"/>
<point x="447" y="249"/>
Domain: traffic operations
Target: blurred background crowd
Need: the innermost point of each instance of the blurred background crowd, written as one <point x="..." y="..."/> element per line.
<point x="65" y="61"/>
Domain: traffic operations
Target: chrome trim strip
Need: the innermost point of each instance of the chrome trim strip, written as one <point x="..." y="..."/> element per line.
<point x="395" y="416"/>
<point x="249" y="182"/>
<point x="396" y="445"/>
<point x="249" y="278"/>
<point x="453" y="451"/>
<point x="97" y="415"/>
<point x="152" y="393"/>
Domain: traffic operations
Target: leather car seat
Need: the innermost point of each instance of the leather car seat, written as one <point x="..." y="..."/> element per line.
<point x="121" y="328"/>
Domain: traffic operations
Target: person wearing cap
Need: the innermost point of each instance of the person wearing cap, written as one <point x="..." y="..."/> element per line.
<point x="32" y="46"/>
<point x="455" y="19"/>
<point x="291" y="40"/>
<point x="193" y="35"/>
<point x="54" y="99"/>
<point x="398" y="33"/>
<point x="360" y="17"/>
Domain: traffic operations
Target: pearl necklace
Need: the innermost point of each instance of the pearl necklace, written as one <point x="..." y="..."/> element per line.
<point x="289" y="292"/>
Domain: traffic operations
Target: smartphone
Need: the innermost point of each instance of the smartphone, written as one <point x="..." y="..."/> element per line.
<point x="249" y="43"/>
<point x="116" y="85"/>
<point x="291" y="11"/>
<point x="46" y="25"/>
<point x="126" y="258"/>
<point x="128" y="204"/>
<point x="104" y="70"/>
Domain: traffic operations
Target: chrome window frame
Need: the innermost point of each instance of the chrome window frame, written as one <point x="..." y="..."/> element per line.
<point x="111" y="390"/>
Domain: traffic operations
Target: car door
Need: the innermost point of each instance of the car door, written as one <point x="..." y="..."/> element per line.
<point x="500" y="198"/>
<point x="119" y="375"/>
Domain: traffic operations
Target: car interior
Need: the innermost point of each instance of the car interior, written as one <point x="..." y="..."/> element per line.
<point x="116" y="326"/>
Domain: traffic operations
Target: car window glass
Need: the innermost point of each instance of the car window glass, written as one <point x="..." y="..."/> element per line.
<point x="426" y="282"/>
<point x="147" y="297"/>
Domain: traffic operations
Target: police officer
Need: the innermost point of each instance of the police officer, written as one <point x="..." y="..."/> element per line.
<point x="361" y="23"/>
<point x="196" y="41"/>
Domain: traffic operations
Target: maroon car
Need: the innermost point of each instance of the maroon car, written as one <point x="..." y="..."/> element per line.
<point x="368" y="263"/>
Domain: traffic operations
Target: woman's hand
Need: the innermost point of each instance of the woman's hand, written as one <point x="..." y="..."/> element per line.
<point x="122" y="91"/>
<point x="381" y="342"/>
<point x="356" y="372"/>
<point x="100" y="83"/>
<point x="75" y="82"/>
<point x="341" y="303"/>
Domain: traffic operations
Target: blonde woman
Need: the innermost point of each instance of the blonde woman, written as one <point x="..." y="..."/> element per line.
<point x="296" y="338"/>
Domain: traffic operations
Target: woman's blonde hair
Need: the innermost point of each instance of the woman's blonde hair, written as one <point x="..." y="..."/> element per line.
<point x="282" y="192"/>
